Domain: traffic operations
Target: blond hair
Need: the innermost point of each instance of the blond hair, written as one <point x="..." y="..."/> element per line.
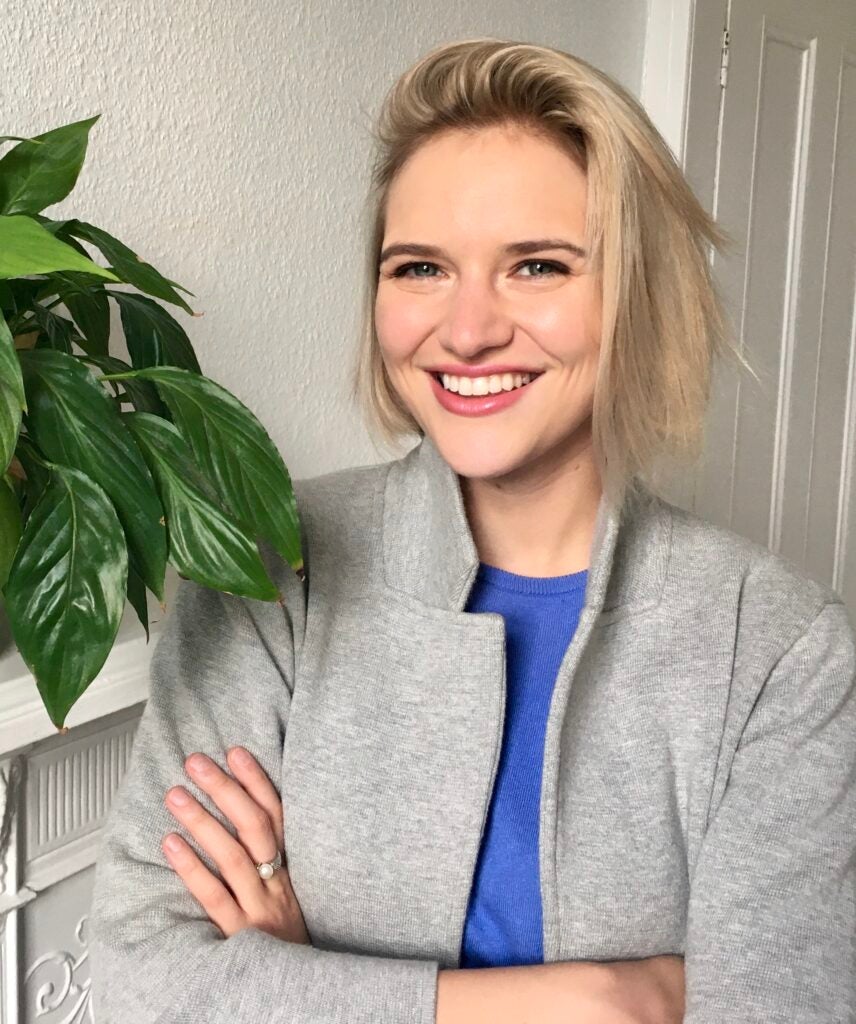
<point x="647" y="236"/>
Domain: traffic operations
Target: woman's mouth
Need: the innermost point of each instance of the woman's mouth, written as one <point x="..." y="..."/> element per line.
<point x="478" y="405"/>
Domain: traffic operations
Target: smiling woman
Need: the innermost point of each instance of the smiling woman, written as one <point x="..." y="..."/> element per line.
<point x="474" y="173"/>
<point x="547" y="746"/>
<point x="515" y="336"/>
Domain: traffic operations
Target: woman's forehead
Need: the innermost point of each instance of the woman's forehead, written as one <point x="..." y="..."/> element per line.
<point x="491" y="186"/>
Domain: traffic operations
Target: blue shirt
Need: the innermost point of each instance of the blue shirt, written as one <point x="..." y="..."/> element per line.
<point x="503" y="926"/>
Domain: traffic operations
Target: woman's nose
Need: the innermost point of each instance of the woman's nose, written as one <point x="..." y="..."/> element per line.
<point x="476" y="320"/>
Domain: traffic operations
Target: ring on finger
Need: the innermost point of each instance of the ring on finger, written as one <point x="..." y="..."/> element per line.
<point x="267" y="868"/>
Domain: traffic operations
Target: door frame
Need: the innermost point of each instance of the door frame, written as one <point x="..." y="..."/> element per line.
<point x="682" y="94"/>
<point x="665" y="70"/>
<point x="680" y="35"/>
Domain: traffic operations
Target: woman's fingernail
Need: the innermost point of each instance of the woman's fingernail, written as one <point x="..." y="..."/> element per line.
<point x="178" y="796"/>
<point x="241" y="756"/>
<point x="174" y="843"/>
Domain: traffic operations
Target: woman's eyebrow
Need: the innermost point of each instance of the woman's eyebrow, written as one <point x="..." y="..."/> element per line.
<point x="512" y="249"/>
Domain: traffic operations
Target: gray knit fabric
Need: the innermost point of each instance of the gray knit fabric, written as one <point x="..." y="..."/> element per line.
<point x="699" y="775"/>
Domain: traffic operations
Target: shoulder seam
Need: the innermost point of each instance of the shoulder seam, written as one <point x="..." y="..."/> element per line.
<point x="802" y="635"/>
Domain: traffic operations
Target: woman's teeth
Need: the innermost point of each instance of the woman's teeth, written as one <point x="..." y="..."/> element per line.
<point x="491" y="385"/>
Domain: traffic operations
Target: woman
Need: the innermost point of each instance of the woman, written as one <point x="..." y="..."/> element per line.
<point x="524" y="715"/>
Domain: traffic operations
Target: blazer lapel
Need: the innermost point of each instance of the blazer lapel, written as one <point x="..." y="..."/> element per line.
<point x="430" y="554"/>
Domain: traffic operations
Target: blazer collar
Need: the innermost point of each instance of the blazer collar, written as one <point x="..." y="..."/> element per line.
<point x="429" y="552"/>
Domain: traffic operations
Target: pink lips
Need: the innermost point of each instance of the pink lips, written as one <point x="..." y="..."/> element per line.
<point x="477" y="405"/>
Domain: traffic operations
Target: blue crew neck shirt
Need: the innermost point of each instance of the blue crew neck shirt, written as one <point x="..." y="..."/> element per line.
<point x="504" y="925"/>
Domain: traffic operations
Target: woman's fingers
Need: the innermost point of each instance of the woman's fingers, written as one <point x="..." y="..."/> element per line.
<point x="253" y="806"/>
<point x="230" y="856"/>
<point x="214" y="898"/>
<point x="245" y="801"/>
<point x="254" y="780"/>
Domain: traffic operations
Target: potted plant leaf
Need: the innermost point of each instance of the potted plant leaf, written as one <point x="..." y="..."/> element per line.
<point x="111" y="469"/>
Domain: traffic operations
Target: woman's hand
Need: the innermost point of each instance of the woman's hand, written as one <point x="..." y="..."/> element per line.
<point x="253" y="805"/>
<point x="647" y="990"/>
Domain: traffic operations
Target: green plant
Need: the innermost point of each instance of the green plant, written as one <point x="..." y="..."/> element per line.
<point x="107" y="477"/>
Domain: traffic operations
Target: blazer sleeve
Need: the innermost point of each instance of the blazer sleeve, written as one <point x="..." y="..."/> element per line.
<point x="771" y="930"/>
<point x="217" y="680"/>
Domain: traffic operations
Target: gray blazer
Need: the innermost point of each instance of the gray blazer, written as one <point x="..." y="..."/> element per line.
<point x="699" y="775"/>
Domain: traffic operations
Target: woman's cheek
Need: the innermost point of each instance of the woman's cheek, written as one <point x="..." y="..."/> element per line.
<point x="399" y="329"/>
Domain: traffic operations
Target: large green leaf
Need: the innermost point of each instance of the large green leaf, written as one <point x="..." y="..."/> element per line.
<point x="154" y="336"/>
<point x="205" y="543"/>
<point x="58" y="229"/>
<point x="41" y="171"/>
<point x="27" y="248"/>
<point x="7" y="299"/>
<point x="37" y="469"/>
<point x="10" y="425"/>
<point x="137" y="599"/>
<point x="90" y="310"/>
<point x="16" y="482"/>
<point x="234" y="451"/>
<point x="142" y="394"/>
<point x="18" y="296"/>
<point x="66" y="589"/>
<point x="74" y="422"/>
<point x="11" y="526"/>
<point x="10" y="368"/>
<point x="127" y="264"/>
<point x="57" y="332"/>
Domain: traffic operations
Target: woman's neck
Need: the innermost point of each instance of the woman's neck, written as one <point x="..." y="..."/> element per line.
<point x="539" y="522"/>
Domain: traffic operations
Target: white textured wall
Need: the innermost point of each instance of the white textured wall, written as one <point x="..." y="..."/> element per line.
<point x="232" y="154"/>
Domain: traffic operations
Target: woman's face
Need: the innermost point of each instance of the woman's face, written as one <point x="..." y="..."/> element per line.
<point x="472" y="301"/>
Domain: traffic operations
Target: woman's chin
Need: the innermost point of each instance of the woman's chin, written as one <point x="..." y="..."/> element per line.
<point x="479" y="458"/>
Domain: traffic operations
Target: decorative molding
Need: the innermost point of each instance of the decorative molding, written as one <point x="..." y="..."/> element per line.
<point x="10" y="1007"/>
<point x="55" y="792"/>
<point x="69" y="788"/>
<point x="10" y="781"/>
<point x="11" y="896"/>
<point x="69" y="996"/>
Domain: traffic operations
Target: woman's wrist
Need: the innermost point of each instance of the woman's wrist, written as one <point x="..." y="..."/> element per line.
<point x="585" y="991"/>
<point x="547" y="993"/>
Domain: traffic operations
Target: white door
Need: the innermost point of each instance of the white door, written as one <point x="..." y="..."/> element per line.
<point x="770" y="148"/>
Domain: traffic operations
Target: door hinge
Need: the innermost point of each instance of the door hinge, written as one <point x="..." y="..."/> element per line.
<point x="723" y="61"/>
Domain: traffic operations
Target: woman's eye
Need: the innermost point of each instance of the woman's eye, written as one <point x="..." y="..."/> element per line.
<point x="552" y="268"/>
<point x="402" y="270"/>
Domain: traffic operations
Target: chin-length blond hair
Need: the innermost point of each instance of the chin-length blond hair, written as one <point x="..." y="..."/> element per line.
<point x="647" y="237"/>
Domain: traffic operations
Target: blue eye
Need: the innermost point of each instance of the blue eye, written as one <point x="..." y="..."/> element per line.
<point x="402" y="270"/>
<point x="557" y="267"/>
<point x="554" y="268"/>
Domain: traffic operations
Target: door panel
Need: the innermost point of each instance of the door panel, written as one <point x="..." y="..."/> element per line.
<point x="779" y="455"/>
